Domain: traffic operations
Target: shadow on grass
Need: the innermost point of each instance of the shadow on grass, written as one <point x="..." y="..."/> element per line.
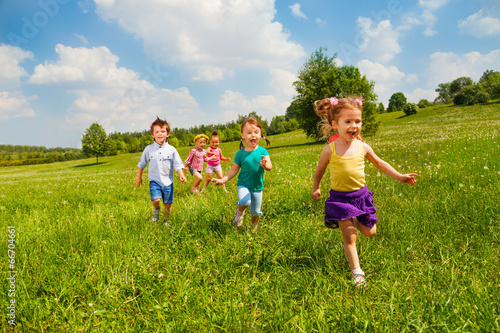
<point x="89" y="165"/>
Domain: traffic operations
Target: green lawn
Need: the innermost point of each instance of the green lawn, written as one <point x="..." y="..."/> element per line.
<point x="88" y="258"/>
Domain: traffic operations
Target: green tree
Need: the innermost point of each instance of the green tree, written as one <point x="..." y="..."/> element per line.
<point x="410" y="108"/>
<point x="423" y="103"/>
<point x="95" y="142"/>
<point x="444" y="93"/>
<point x="319" y="78"/>
<point x="458" y="84"/>
<point x="470" y="95"/>
<point x="381" y="108"/>
<point x="396" y="102"/>
<point x="490" y="80"/>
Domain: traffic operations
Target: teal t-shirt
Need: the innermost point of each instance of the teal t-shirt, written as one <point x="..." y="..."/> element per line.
<point x="251" y="173"/>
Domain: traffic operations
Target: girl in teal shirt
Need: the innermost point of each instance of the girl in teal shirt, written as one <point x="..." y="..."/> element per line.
<point x="251" y="162"/>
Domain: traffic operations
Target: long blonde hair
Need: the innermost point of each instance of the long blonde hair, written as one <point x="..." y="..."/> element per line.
<point x="329" y="110"/>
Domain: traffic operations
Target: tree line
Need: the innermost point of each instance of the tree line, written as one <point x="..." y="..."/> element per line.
<point x="13" y="155"/>
<point x="461" y="91"/>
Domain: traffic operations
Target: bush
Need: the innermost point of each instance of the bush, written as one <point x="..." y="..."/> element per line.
<point x="410" y="108"/>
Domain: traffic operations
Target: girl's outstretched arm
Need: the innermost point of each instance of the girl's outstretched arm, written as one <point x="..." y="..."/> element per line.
<point x="230" y="174"/>
<point x="324" y="158"/>
<point x="266" y="163"/>
<point x="222" y="158"/>
<point x="387" y="168"/>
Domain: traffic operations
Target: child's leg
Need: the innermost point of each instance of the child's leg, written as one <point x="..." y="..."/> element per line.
<point x="368" y="232"/>
<point x="219" y="175"/>
<point x="349" y="237"/>
<point x="255" y="206"/>
<point x="197" y="180"/>
<point x="156" y="203"/>
<point x="168" y="210"/>
<point x="208" y="179"/>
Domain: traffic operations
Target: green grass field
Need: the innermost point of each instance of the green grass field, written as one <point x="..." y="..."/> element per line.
<point x="88" y="258"/>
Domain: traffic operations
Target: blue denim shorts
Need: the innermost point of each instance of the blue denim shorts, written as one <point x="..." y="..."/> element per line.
<point x="157" y="192"/>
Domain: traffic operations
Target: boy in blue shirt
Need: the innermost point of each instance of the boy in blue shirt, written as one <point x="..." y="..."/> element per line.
<point x="163" y="160"/>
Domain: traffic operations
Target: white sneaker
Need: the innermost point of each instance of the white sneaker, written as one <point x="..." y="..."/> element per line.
<point x="156" y="215"/>
<point x="238" y="218"/>
<point x="359" y="280"/>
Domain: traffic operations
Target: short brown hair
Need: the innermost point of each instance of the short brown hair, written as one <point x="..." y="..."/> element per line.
<point x="161" y="123"/>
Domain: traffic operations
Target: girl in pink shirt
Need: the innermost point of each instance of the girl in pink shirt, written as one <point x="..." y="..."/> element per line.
<point x="214" y="164"/>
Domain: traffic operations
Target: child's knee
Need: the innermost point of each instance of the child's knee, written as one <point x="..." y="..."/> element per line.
<point x="156" y="202"/>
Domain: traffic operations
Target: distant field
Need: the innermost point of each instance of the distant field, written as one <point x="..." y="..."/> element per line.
<point x="88" y="258"/>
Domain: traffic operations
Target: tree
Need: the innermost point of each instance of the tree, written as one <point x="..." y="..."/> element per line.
<point x="319" y="78"/>
<point x="470" y="95"/>
<point x="444" y="93"/>
<point x="410" y="108"/>
<point x="396" y="102"/>
<point x="491" y="83"/>
<point x="458" y="84"/>
<point x="95" y="141"/>
<point x="381" y="108"/>
<point x="423" y="103"/>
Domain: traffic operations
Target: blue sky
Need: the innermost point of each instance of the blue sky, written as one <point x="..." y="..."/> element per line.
<point x="65" y="64"/>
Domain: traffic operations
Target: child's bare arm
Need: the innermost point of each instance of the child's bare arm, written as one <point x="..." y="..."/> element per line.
<point x="138" y="180"/>
<point x="230" y="174"/>
<point x="324" y="158"/>
<point x="181" y="175"/>
<point x="222" y="158"/>
<point x="386" y="168"/>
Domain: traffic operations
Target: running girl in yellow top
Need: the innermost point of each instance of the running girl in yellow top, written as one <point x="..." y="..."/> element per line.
<point x="350" y="205"/>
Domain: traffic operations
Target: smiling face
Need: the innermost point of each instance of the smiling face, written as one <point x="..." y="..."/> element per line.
<point x="348" y="124"/>
<point x="160" y="134"/>
<point x="251" y="134"/>
<point x="200" y="143"/>
<point x="214" y="142"/>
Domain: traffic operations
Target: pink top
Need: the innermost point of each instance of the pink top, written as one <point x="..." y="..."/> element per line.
<point x="216" y="160"/>
<point x="196" y="158"/>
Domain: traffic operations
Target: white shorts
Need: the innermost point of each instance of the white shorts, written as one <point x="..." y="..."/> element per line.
<point x="212" y="168"/>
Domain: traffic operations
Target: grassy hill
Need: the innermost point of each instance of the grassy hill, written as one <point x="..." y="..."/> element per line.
<point x="88" y="258"/>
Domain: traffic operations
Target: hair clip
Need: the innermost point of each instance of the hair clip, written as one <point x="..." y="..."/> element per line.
<point x="333" y="100"/>
<point x="359" y="101"/>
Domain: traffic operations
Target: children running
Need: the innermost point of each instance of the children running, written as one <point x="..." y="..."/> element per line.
<point x="163" y="159"/>
<point x="195" y="160"/>
<point x="253" y="160"/>
<point x="350" y="205"/>
<point x="214" y="164"/>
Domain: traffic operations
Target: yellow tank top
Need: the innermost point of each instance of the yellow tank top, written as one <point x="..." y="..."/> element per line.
<point x="347" y="174"/>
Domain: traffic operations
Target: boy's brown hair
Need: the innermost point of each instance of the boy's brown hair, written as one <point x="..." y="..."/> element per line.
<point x="161" y="123"/>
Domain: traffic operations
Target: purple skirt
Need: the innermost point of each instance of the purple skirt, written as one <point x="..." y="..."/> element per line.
<point x="345" y="205"/>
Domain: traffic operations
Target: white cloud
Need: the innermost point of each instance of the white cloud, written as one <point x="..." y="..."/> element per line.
<point x="412" y="78"/>
<point x="446" y="67"/>
<point x="113" y="96"/>
<point x="479" y="25"/>
<point x="14" y="105"/>
<point x="380" y="42"/>
<point x="416" y="95"/>
<point x="386" y="79"/>
<point x="319" y="21"/>
<point x="266" y="106"/>
<point x="432" y="4"/>
<point x="219" y="33"/>
<point x="10" y="71"/>
<point x="212" y="74"/>
<point x="81" y="38"/>
<point x="297" y="12"/>
<point x="282" y="82"/>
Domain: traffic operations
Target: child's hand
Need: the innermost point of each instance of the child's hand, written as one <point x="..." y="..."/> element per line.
<point x="185" y="169"/>
<point x="263" y="161"/>
<point x="218" y="182"/>
<point x="183" y="179"/>
<point x="138" y="181"/>
<point x="409" y="178"/>
<point x="316" y="194"/>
